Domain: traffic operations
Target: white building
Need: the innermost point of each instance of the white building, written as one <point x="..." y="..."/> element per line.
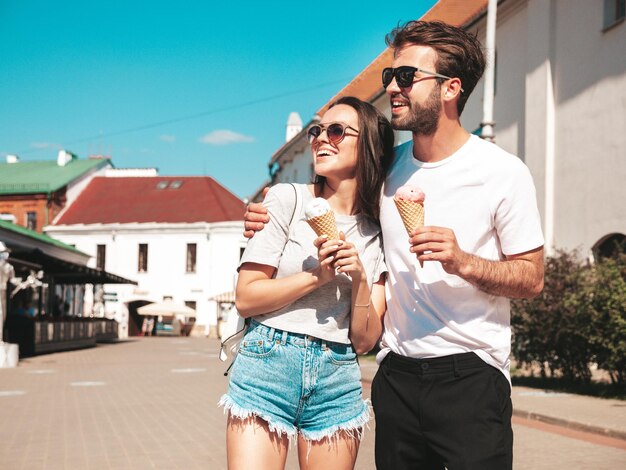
<point x="179" y="237"/>
<point x="560" y="105"/>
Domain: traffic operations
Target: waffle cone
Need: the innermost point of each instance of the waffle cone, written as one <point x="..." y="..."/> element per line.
<point x="412" y="214"/>
<point x="325" y="225"/>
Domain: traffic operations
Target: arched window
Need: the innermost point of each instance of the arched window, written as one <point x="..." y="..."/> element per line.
<point x="610" y="246"/>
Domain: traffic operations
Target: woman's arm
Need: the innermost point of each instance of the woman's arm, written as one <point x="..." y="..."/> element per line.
<point x="368" y="310"/>
<point x="257" y="292"/>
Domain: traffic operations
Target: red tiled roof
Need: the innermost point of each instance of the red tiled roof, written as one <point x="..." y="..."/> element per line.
<point x="367" y="83"/>
<point x="139" y="199"/>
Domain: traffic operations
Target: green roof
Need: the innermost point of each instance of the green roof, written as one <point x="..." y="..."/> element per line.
<point x="43" y="176"/>
<point x="37" y="236"/>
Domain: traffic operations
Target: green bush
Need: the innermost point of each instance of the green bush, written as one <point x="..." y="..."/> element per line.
<point x="606" y="301"/>
<point x="579" y="319"/>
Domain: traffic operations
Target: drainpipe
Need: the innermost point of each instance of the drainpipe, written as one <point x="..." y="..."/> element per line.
<point x="550" y="168"/>
<point x="47" y="213"/>
<point x="488" y="123"/>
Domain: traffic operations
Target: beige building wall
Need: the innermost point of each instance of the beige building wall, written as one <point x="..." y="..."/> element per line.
<point x="560" y="105"/>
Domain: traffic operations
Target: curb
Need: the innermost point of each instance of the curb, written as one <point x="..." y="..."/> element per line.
<point x="565" y="423"/>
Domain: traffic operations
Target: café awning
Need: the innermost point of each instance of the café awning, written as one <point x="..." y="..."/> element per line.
<point x="225" y="297"/>
<point x="65" y="272"/>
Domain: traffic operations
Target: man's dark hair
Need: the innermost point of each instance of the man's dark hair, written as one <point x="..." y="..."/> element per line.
<point x="374" y="155"/>
<point x="459" y="53"/>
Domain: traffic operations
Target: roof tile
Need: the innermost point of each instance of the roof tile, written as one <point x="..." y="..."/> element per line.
<point x="139" y="200"/>
<point x="43" y="176"/>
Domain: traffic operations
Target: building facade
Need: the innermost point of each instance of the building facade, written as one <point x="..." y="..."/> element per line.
<point x="179" y="237"/>
<point x="33" y="193"/>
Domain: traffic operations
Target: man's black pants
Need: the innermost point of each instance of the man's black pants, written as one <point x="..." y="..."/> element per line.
<point x="452" y="412"/>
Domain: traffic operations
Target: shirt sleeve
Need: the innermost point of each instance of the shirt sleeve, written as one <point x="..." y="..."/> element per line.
<point x="517" y="219"/>
<point x="381" y="266"/>
<point x="266" y="247"/>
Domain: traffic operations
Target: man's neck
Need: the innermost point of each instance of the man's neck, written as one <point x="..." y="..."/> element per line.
<point x="447" y="139"/>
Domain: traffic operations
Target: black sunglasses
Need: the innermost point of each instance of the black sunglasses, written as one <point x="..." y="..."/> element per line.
<point x="405" y="75"/>
<point x="336" y="131"/>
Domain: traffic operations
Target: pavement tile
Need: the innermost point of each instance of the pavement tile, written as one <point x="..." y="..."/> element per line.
<point x="146" y="416"/>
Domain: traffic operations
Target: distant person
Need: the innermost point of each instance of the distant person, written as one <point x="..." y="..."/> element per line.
<point x="442" y="393"/>
<point x="144" y="326"/>
<point x="311" y="302"/>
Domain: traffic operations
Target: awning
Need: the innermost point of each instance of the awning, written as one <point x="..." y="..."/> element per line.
<point x="167" y="307"/>
<point x="65" y="272"/>
<point x="226" y="297"/>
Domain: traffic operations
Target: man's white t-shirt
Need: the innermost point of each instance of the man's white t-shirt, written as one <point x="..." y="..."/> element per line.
<point x="487" y="197"/>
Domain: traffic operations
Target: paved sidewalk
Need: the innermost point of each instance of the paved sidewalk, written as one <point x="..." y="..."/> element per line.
<point x="152" y="403"/>
<point x="595" y="415"/>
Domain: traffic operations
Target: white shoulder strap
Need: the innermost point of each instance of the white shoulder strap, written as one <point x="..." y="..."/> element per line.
<point x="297" y="207"/>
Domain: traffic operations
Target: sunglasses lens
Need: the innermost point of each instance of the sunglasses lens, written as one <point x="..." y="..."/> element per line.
<point x="314" y="133"/>
<point x="404" y="76"/>
<point x="387" y="76"/>
<point x="335" y="132"/>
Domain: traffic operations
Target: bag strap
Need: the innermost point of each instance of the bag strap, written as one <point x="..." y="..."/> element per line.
<point x="297" y="208"/>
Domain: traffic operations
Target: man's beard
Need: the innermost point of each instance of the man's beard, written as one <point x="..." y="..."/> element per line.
<point x="421" y="119"/>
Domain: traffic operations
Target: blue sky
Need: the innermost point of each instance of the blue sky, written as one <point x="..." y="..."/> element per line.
<point x="189" y="87"/>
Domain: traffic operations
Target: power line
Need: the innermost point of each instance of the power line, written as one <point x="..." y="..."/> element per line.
<point x="195" y="116"/>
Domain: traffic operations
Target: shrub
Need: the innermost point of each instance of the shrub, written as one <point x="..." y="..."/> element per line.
<point x="551" y="331"/>
<point x="606" y="303"/>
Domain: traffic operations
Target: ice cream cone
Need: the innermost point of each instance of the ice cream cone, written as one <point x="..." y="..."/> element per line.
<point x="412" y="214"/>
<point x="325" y="225"/>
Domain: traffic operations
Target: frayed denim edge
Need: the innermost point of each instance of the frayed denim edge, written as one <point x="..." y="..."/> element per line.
<point x="242" y="413"/>
<point x="353" y="428"/>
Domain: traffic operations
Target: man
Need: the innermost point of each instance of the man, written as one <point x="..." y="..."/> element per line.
<point x="442" y="393"/>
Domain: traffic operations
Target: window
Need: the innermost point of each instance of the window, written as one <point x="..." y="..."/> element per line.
<point x="8" y="217"/>
<point x="101" y="253"/>
<point x="191" y="258"/>
<point x="142" y="265"/>
<point x="31" y="220"/>
<point x="190" y="304"/>
<point x="614" y="12"/>
<point x="610" y="246"/>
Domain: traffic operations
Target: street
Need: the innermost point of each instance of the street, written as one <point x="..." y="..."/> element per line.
<point x="152" y="403"/>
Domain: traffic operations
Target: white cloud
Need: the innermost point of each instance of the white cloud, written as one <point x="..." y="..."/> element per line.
<point x="168" y="138"/>
<point x="45" y="145"/>
<point x="224" y="137"/>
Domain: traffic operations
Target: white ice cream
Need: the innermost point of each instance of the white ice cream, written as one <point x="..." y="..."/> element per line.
<point x="316" y="207"/>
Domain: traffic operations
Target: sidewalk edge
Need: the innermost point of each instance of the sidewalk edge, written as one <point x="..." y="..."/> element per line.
<point x="566" y="423"/>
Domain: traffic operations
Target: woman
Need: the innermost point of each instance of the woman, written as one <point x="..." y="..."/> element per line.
<point x="313" y="304"/>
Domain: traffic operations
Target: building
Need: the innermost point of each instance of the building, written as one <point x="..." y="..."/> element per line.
<point x="45" y="287"/>
<point x="560" y="105"/>
<point x="33" y="193"/>
<point x="179" y="237"/>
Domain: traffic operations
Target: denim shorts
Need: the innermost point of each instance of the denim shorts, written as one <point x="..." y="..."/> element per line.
<point x="297" y="384"/>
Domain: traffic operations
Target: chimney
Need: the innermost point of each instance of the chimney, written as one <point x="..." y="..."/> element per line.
<point x="13" y="159"/>
<point x="65" y="157"/>
<point x="294" y="125"/>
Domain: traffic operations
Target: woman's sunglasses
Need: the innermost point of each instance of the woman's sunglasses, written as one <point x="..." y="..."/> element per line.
<point x="405" y="75"/>
<point x="336" y="131"/>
